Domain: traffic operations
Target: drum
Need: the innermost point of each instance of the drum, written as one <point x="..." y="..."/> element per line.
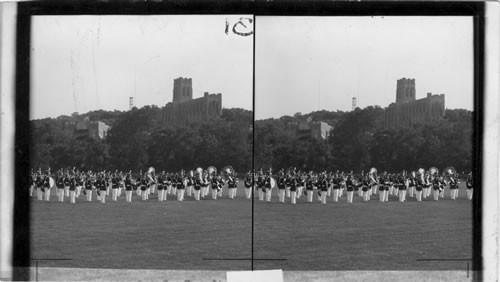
<point x="273" y="183"/>
<point x="52" y="182"/>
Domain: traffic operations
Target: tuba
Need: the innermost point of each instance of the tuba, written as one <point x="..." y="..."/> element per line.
<point x="151" y="170"/>
<point x="227" y="171"/>
<point x="373" y="176"/>
<point x="449" y="172"/>
<point x="211" y="170"/>
<point x="433" y="171"/>
<point x="199" y="170"/>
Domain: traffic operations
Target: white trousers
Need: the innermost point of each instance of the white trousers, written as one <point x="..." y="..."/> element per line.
<point x="469" y="193"/>
<point x="310" y="195"/>
<point x="323" y="196"/>
<point x="89" y="195"/>
<point x="329" y="191"/>
<point x="350" y="195"/>
<point x="441" y="194"/>
<point x="47" y="194"/>
<point x="336" y="193"/>
<point x="160" y="195"/>
<point x="366" y="195"/>
<point x="360" y="192"/>
<point x="72" y="196"/>
<point x="31" y="191"/>
<point x="248" y="193"/>
<point x="144" y="195"/>
<point x="103" y="196"/>
<point x="419" y="196"/>
<point x="174" y="190"/>
<point x="391" y="190"/>
<point x="381" y="195"/>
<point x="197" y="194"/>
<point x="261" y="195"/>
<point x="402" y="195"/>
<point x="60" y="194"/>
<point x="128" y="196"/>
<point x="429" y="191"/>
<point x="268" y="194"/>
<point x="411" y="191"/>
<point x="66" y="191"/>
<point x="180" y="195"/>
<point x="39" y="194"/>
<point x="165" y="192"/>
<point x="214" y="194"/>
<point x="396" y="191"/>
<point x="386" y="194"/>
<point x="281" y="195"/>
<point x="78" y="190"/>
<point x="293" y="196"/>
<point x="452" y="194"/>
<point x="232" y="193"/>
<point x="300" y="190"/>
<point x="148" y="190"/>
<point x="374" y="189"/>
<point x="152" y="189"/>
<point x="435" y="193"/>
<point x="138" y="191"/>
<point x="287" y="189"/>
<point x="424" y="192"/>
<point x="189" y="191"/>
<point x="114" y="194"/>
<point x="341" y="192"/>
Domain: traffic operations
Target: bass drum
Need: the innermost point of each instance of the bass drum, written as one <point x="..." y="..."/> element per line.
<point x="273" y="183"/>
<point x="52" y="182"/>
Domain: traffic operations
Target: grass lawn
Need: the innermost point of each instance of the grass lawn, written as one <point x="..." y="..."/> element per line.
<point x="307" y="236"/>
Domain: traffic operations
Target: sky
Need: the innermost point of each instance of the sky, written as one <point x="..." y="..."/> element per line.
<point x="86" y="63"/>
<point x="302" y="64"/>
<point x="306" y="64"/>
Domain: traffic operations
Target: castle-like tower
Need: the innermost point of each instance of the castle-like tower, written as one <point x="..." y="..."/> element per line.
<point x="183" y="90"/>
<point x="405" y="90"/>
<point x="184" y="110"/>
<point x="408" y="111"/>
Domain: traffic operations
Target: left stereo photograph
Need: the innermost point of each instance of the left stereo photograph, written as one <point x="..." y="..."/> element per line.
<point x="141" y="141"/>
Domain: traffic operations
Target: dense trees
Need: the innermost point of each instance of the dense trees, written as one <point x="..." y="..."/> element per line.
<point x="358" y="141"/>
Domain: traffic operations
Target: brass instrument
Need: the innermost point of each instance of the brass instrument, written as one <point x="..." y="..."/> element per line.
<point x="227" y="171"/>
<point x="433" y="171"/>
<point x="211" y="170"/>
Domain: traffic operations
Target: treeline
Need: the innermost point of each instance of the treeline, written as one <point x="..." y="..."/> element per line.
<point x="136" y="141"/>
<point x="358" y="141"/>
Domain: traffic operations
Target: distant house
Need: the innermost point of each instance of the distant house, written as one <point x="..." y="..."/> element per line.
<point x="315" y="129"/>
<point x="92" y="129"/>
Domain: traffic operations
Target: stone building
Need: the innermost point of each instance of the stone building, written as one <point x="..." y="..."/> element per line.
<point x="315" y="129"/>
<point x="92" y="129"/>
<point x="408" y="111"/>
<point x="184" y="110"/>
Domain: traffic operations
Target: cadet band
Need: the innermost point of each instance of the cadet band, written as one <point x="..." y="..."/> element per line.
<point x="292" y="184"/>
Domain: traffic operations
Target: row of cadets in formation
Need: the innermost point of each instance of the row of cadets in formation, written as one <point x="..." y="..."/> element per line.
<point x="291" y="184"/>
<point x="196" y="184"/>
<point x="419" y="185"/>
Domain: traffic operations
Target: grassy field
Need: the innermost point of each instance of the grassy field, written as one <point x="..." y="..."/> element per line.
<point x="307" y="236"/>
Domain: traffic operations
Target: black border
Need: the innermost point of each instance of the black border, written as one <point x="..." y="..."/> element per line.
<point x="21" y="252"/>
